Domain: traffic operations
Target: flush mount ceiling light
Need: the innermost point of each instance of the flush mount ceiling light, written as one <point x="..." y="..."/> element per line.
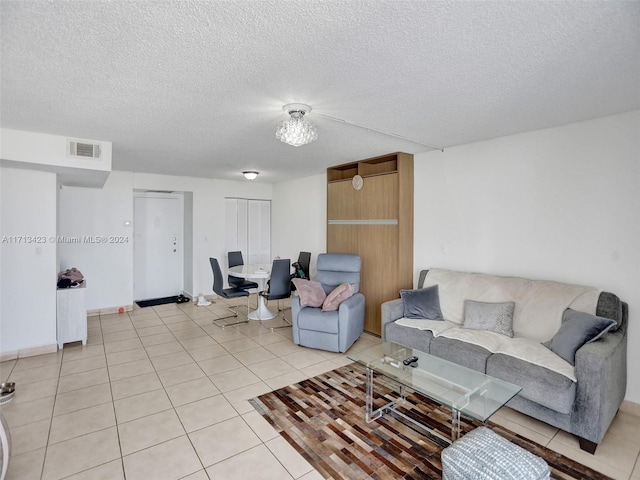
<point x="250" y="175"/>
<point x="296" y="130"/>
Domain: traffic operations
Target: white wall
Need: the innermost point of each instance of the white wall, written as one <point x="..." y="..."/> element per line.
<point x="558" y="204"/>
<point x="28" y="269"/>
<point x="99" y="212"/>
<point x="299" y="218"/>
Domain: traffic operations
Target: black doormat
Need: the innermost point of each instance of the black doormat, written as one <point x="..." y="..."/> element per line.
<point x="157" y="301"/>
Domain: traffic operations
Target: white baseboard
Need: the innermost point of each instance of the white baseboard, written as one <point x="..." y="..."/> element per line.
<point x="6" y="356"/>
<point x="28" y="352"/>
<point x="108" y="310"/>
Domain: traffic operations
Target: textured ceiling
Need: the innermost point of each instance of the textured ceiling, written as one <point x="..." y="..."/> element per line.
<point x="197" y="87"/>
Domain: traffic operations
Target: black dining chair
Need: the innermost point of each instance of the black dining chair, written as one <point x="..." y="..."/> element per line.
<point x="279" y="285"/>
<point x="304" y="259"/>
<point x="235" y="259"/>
<point x="228" y="293"/>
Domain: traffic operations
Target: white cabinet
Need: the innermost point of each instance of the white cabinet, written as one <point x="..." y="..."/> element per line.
<point x="71" y="315"/>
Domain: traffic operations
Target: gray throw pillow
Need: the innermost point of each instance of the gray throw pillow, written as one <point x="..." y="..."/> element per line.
<point x="495" y="317"/>
<point x="422" y="303"/>
<point x="578" y="328"/>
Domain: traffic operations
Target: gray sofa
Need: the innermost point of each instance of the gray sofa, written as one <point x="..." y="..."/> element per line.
<point x="584" y="406"/>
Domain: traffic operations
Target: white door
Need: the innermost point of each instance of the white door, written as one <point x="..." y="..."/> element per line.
<point x="157" y="247"/>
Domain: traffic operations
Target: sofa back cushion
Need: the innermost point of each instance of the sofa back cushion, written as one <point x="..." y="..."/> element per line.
<point x="334" y="269"/>
<point x="539" y="304"/>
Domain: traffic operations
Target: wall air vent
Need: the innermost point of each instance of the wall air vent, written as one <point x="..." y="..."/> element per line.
<point x="77" y="149"/>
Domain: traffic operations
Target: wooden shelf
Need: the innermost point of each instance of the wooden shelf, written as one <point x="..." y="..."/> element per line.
<point x="378" y="166"/>
<point x="342" y="172"/>
<point x="365" y="168"/>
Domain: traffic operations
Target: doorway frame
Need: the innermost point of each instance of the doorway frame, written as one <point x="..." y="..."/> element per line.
<point x="180" y="196"/>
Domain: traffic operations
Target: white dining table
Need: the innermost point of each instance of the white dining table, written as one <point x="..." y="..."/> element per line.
<point x="259" y="273"/>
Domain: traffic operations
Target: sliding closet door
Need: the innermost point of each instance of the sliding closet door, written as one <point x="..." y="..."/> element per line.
<point x="248" y="229"/>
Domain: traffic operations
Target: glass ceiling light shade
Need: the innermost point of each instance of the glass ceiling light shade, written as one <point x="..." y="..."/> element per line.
<point x="250" y="175"/>
<point x="296" y="130"/>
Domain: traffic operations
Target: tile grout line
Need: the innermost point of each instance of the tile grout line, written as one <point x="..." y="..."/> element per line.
<point x="113" y="403"/>
<point x="173" y="407"/>
<point x="53" y="409"/>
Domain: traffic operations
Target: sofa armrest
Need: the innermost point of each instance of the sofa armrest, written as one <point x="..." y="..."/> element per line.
<point x="601" y="371"/>
<point x="350" y="320"/>
<point x="390" y="312"/>
<point x="354" y="301"/>
<point x="295" y="310"/>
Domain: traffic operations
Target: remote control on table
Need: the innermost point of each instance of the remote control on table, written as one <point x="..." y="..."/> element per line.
<point x="410" y="360"/>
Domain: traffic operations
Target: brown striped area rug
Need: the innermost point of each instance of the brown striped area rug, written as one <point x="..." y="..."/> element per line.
<point x="323" y="419"/>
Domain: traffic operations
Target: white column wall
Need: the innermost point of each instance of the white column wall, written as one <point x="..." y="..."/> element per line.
<point x="557" y="204"/>
<point x="28" y="268"/>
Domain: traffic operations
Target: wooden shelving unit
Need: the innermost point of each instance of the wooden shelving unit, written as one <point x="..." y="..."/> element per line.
<point x="375" y="222"/>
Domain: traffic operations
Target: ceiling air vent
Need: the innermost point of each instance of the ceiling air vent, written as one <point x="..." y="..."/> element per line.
<point x="83" y="150"/>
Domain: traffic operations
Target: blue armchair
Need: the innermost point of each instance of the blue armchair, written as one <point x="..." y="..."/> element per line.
<point x="333" y="331"/>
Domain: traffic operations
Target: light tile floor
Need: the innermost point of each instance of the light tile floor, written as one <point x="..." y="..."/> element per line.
<point x="161" y="393"/>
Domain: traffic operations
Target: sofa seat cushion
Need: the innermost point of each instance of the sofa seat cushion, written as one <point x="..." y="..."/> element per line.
<point x="539" y="384"/>
<point x="409" y="337"/>
<point x="518" y="347"/>
<point x="315" y="319"/>
<point x="462" y="353"/>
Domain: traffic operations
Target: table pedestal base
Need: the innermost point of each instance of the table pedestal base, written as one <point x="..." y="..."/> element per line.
<point x="262" y="313"/>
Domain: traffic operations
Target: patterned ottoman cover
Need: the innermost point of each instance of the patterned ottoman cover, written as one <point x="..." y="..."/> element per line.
<point x="482" y="454"/>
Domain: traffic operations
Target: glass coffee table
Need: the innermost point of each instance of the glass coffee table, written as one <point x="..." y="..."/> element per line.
<point x="465" y="391"/>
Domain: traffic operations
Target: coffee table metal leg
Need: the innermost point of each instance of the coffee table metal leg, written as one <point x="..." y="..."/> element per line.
<point x="455" y="424"/>
<point x="371" y="414"/>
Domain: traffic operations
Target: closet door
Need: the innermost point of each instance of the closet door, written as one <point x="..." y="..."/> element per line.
<point x="379" y="275"/>
<point x="378" y="199"/>
<point x="259" y="228"/>
<point x="248" y="229"/>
